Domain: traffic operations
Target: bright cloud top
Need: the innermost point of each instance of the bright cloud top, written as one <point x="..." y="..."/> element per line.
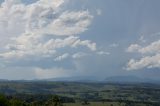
<point x="41" y="28"/>
<point x="150" y="53"/>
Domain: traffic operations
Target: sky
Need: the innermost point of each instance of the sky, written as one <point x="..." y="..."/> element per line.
<point x="41" y="39"/>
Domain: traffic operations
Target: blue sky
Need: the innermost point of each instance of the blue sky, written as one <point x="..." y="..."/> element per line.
<point x="67" y="38"/>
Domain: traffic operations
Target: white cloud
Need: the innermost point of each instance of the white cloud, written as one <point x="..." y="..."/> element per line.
<point x="79" y="55"/>
<point x="62" y="57"/>
<point x="103" y="53"/>
<point x="33" y="24"/>
<point x="69" y="23"/>
<point x="150" y="53"/>
<point x="154" y="47"/>
<point x="142" y="39"/>
<point x="133" y="48"/>
<point x="145" y="62"/>
<point x="114" y="45"/>
<point x="55" y="3"/>
<point x="45" y="32"/>
<point x="33" y="45"/>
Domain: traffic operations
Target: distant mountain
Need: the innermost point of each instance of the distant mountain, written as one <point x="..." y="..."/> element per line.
<point x="3" y="80"/>
<point x="130" y="79"/>
<point x="76" y="79"/>
<point x="90" y="79"/>
<point x="113" y="79"/>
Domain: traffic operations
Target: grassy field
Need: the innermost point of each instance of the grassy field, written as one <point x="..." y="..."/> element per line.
<point x="112" y="94"/>
<point x="93" y="104"/>
<point x="102" y="104"/>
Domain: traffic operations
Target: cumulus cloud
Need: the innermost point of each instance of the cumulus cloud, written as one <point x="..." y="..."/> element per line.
<point x="133" y="48"/>
<point x="154" y="47"/>
<point x="145" y="62"/>
<point x="150" y="53"/>
<point x="44" y="30"/>
<point x="103" y="53"/>
<point x="79" y="55"/>
<point x="62" y="57"/>
<point x="69" y="23"/>
<point x="28" y="45"/>
<point x="35" y="22"/>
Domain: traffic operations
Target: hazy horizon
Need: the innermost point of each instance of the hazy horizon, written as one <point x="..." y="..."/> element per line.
<point x="41" y="39"/>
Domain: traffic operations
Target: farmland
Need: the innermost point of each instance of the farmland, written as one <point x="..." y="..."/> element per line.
<point x="82" y="93"/>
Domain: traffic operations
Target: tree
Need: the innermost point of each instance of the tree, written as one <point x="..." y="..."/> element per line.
<point x="16" y="102"/>
<point x="3" y="101"/>
<point x="85" y="102"/>
<point x="55" y="101"/>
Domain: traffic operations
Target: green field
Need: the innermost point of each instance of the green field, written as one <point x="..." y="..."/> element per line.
<point x="79" y="93"/>
<point x="104" y="104"/>
<point x="96" y="104"/>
